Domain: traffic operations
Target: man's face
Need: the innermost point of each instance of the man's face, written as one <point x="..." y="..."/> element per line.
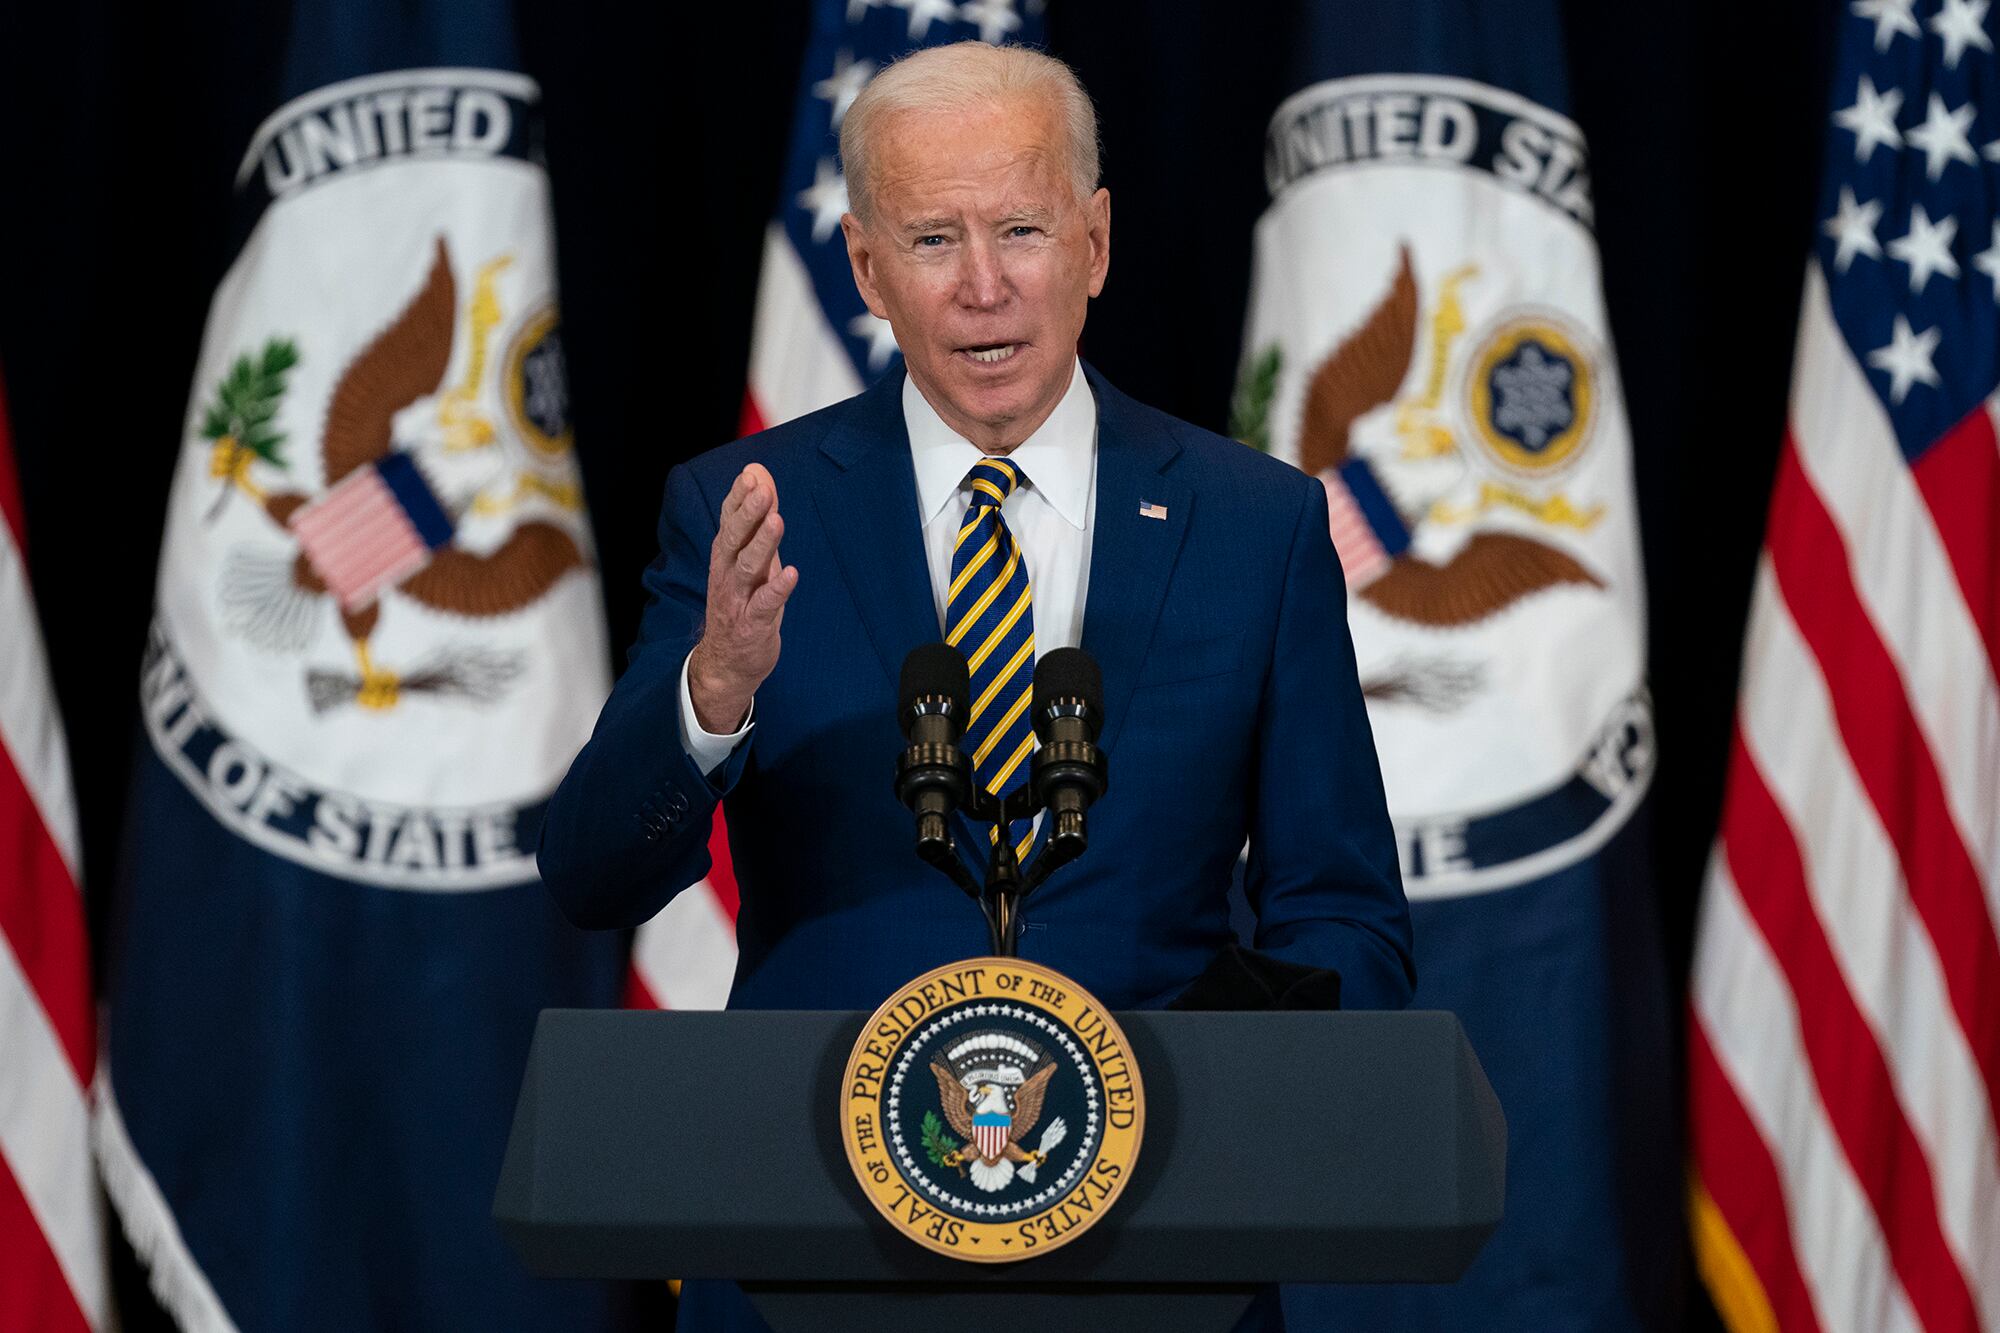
<point x="983" y="260"/>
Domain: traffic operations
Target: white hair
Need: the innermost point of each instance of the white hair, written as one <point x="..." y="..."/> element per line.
<point x="956" y="78"/>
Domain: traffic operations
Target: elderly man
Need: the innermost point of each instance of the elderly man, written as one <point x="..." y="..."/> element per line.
<point x="998" y="494"/>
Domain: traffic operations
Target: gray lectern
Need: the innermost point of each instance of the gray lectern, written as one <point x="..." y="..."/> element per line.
<point x="1279" y="1147"/>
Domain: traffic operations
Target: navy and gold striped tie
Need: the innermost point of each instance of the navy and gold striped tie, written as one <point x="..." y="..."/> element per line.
<point x="990" y="617"/>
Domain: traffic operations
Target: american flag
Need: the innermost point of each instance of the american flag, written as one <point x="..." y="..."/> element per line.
<point x="52" y="1256"/>
<point x="812" y="343"/>
<point x="1367" y="531"/>
<point x="375" y="528"/>
<point x="1845" y="1038"/>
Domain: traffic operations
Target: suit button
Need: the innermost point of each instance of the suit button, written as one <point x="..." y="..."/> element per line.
<point x="677" y="805"/>
<point x="649" y="823"/>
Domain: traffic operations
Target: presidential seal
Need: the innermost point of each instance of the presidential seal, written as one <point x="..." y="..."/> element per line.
<point x="991" y="1110"/>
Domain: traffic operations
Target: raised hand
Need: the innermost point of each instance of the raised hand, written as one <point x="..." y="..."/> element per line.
<point x="747" y="589"/>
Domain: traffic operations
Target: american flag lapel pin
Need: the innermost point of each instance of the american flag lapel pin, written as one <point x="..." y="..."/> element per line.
<point x="1149" y="509"/>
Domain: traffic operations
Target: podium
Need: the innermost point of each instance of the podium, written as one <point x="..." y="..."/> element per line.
<point x="1279" y="1147"/>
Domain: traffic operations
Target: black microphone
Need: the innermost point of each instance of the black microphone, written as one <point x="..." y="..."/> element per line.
<point x="1069" y="770"/>
<point x="933" y="773"/>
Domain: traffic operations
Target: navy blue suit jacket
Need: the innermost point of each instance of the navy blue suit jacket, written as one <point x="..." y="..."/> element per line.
<point x="1232" y="712"/>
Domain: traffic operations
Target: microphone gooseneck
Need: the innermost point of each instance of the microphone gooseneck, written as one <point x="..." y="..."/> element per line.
<point x="934" y="775"/>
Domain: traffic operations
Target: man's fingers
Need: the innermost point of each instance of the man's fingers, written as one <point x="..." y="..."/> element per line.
<point x="753" y="562"/>
<point x="732" y="503"/>
<point x="735" y="495"/>
<point x="741" y="524"/>
<point x="769" y="600"/>
<point x="748" y="583"/>
<point x="760" y="492"/>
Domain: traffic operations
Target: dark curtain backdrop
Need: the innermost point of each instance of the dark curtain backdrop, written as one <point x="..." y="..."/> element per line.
<point x="119" y="133"/>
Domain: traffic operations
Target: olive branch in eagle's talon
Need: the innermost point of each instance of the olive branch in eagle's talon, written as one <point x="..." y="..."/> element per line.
<point x="240" y="419"/>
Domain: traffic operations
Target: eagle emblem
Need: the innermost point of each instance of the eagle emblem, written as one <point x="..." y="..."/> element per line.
<point x="1491" y="570"/>
<point x="1036" y="1125"/>
<point x="380" y="531"/>
<point x="991" y="1085"/>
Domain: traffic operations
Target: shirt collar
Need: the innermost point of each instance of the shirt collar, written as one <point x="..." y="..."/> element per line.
<point x="1057" y="458"/>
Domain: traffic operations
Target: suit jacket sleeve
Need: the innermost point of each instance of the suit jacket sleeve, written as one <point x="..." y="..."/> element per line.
<point x="628" y="828"/>
<point x="1323" y="877"/>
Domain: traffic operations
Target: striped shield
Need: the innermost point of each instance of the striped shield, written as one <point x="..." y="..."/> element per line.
<point x="989" y="1134"/>
<point x="375" y="528"/>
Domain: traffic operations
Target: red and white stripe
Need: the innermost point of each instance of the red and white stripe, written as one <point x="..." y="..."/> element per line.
<point x="1362" y="556"/>
<point x="1845" y="1043"/>
<point x="685" y="958"/>
<point x="797" y="362"/>
<point x="52" y="1255"/>
<point x="358" y="538"/>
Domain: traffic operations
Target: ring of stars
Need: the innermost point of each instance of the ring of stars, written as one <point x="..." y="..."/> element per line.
<point x="911" y="1165"/>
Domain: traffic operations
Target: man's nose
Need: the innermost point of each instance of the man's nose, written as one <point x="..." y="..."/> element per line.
<point x="982" y="279"/>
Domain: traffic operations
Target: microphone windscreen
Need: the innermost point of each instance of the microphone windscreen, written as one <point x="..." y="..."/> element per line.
<point x="1069" y="673"/>
<point x="934" y="668"/>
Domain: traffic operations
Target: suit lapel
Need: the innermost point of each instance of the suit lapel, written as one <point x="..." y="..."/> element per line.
<point x="867" y="503"/>
<point x="1131" y="554"/>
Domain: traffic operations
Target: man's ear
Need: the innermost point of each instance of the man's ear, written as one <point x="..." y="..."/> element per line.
<point x="1097" y="222"/>
<point x="861" y="258"/>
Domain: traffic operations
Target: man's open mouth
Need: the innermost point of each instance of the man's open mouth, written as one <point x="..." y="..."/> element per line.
<point x="989" y="353"/>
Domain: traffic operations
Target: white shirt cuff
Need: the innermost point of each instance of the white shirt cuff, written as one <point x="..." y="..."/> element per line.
<point x="708" y="750"/>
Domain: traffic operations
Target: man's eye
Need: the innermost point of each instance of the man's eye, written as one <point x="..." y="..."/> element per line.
<point x="931" y="242"/>
<point x="1025" y="230"/>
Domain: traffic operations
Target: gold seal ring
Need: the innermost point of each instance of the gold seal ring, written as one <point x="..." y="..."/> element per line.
<point x="992" y="1110"/>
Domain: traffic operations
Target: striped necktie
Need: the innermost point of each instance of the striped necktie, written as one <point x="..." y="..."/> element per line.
<point x="990" y="617"/>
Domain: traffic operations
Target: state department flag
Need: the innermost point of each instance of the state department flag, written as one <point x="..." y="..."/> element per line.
<point x="1427" y="337"/>
<point x="377" y="645"/>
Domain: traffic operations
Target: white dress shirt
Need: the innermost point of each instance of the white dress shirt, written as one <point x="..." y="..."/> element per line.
<point x="1050" y="516"/>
